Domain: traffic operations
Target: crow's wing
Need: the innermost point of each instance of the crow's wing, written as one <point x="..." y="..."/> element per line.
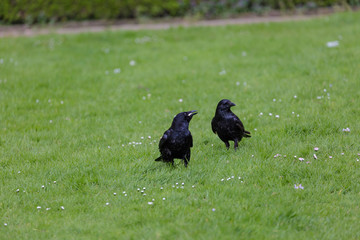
<point x="213" y="125"/>
<point x="165" y="138"/>
<point x="239" y="127"/>
<point x="190" y="140"/>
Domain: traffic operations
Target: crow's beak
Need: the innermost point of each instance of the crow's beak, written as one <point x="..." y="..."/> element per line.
<point x="232" y="104"/>
<point x="192" y="113"/>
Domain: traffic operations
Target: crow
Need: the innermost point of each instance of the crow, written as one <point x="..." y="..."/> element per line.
<point x="227" y="125"/>
<point x="177" y="140"/>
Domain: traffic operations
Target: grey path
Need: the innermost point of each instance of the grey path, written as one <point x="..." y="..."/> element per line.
<point x="98" y="26"/>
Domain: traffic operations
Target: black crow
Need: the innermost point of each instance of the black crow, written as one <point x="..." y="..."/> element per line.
<point x="177" y="140"/>
<point x="227" y="125"/>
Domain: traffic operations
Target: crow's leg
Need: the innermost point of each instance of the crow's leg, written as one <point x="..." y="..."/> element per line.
<point x="187" y="159"/>
<point x="236" y="144"/>
<point x="227" y="145"/>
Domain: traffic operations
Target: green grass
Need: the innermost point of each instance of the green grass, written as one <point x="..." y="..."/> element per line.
<point x="100" y="110"/>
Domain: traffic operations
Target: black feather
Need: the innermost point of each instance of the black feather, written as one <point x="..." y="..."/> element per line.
<point x="177" y="140"/>
<point x="227" y="125"/>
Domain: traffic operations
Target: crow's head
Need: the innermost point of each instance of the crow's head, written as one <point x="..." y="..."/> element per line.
<point x="224" y="105"/>
<point x="183" y="118"/>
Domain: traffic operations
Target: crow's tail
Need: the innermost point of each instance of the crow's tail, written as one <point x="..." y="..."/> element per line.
<point x="158" y="159"/>
<point x="247" y="134"/>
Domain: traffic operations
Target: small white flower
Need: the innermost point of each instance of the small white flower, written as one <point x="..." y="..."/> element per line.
<point x="274" y="100"/>
<point x="164" y="199"/>
<point x="62" y="208"/>
<point x="109" y="147"/>
<point x="132" y="63"/>
<point x="143" y="98"/>
<point x="346" y="129"/>
<point x="193" y="186"/>
<point x="315" y="157"/>
<point x="270" y="114"/>
<point x="316" y="149"/>
<point x="17" y="190"/>
<point x="332" y="44"/>
<point x="114" y="193"/>
<point x="144" y="188"/>
<point x="51" y="121"/>
<point x="140" y="122"/>
<point x="295" y="96"/>
<point x="222" y="179"/>
<point x="149" y="137"/>
<point x="213" y="209"/>
<point x="5" y="224"/>
<point x="107" y="204"/>
<point x="47" y="209"/>
<point x="330" y="157"/>
<point x="125" y="195"/>
<point x="301" y="159"/>
<point x="19" y="171"/>
<point x="38" y="207"/>
<point x="223" y="72"/>
<point x="261" y="114"/>
<point x="150" y="203"/>
<point x="298" y="115"/>
<point x="277" y="116"/>
<point x="318" y="97"/>
<point x="181" y="100"/>
<point x="237" y="83"/>
<point x="49" y="101"/>
<point x="42" y="186"/>
<point x="37" y="100"/>
<point x="161" y="188"/>
<point x="342" y="154"/>
<point x="61" y="102"/>
<point x="117" y="70"/>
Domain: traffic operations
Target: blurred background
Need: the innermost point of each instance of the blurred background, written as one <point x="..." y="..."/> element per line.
<point x="44" y="11"/>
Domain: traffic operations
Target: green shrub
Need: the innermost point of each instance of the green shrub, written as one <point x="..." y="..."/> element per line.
<point x="42" y="11"/>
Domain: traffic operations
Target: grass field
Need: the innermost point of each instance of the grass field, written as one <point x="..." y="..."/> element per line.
<point x="75" y="111"/>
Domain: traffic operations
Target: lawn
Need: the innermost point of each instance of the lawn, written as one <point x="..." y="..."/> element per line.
<point x="81" y="116"/>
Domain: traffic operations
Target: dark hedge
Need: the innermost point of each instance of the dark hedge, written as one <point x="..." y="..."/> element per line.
<point x="42" y="11"/>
